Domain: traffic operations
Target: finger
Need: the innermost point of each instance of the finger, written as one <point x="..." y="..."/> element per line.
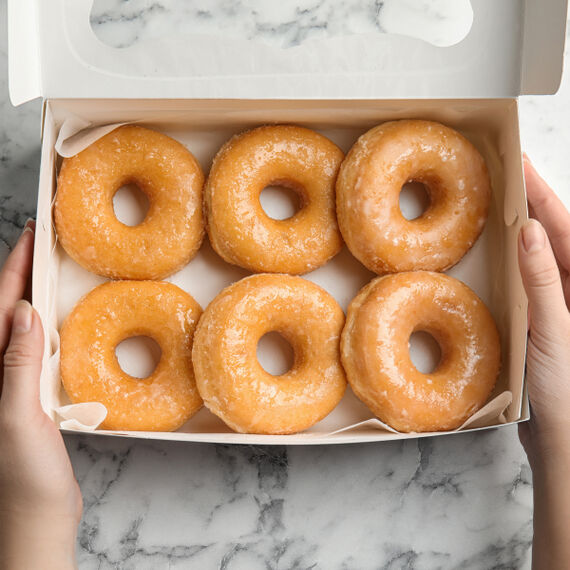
<point x="566" y="287"/>
<point x="23" y="361"/>
<point x="13" y="279"/>
<point x="550" y="211"/>
<point x="541" y="281"/>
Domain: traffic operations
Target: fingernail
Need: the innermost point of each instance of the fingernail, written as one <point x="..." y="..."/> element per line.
<point x="29" y="226"/>
<point x="533" y="237"/>
<point x="22" y="322"/>
<point x="526" y="158"/>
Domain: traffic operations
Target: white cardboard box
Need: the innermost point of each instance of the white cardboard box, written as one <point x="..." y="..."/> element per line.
<point x="210" y="89"/>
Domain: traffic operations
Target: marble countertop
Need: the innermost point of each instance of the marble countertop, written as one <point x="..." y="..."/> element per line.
<point x="461" y="501"/>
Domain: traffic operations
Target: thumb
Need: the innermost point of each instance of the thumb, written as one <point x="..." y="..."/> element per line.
<point x="23" y="360"/>
<point x="541" y="279"/>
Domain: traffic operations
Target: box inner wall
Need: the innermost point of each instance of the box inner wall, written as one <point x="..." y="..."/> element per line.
<point x="203" y="126"/>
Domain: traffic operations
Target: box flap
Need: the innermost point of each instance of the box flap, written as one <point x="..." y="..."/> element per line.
<point x="543" y="46"/>
<point x="513" y="47"/>
<point x="23" y="51"/>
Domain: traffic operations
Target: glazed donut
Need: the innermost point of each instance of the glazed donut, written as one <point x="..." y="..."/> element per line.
<point x="239" y="229"/>
<point x="90" y="371"/>
<point x="85" y="221"/>
<point x="231" y="380"/>
<point x="369" y="184"/>
<point x="376" y="356"/>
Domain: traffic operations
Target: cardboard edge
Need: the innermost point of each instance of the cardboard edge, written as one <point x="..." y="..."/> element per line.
<point x="43" y="243"/>
<point x="519" y="205"/>
<point x="283" y="440"/>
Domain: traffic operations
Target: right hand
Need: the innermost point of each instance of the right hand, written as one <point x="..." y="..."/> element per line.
<point x="544" y="261"/>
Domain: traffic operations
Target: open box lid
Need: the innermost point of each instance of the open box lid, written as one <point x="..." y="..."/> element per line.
<point x="513" y="47"/>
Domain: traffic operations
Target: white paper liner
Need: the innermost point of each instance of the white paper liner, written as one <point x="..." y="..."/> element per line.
<point x="490" y="414"/>
<point x="89" y="416"/>
<point x="82" y="417"/>
<point x="77" y="133"/>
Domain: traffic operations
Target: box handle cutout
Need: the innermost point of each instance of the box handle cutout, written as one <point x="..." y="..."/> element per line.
<point x="285" y="24"/>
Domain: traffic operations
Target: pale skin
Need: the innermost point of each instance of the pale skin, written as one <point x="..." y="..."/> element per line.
<point x="544" y="261"/>
<point x="40" y="501"/>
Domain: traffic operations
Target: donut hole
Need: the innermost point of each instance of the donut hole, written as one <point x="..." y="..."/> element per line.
<point x="414" y="200"/>
<point x="275" y="354"/>
<point x="138" y="356"/>
<point x="130" y="204"/>
<point x="425" y="352"/>
<point x="281" y="200"/>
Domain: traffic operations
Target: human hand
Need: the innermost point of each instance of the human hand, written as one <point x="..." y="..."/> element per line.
<point x="545" y="271"/>
<point x="40" y="501"/>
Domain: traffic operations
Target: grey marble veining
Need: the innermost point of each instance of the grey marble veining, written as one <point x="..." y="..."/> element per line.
<point x="19" y="156"/>
<point x="456" y="502"/>
<point x="284" y="24"/>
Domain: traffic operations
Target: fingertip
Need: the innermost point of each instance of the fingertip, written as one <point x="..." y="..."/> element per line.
<point x="24" y="245"/>
<point x="23" y="360"/>
<point x="26" y="325"/>
<point x="29" y="229"/>
<point x="534" y="252"/>
<point x="540" y="274"/>
<point x="23" y="318"/>
<point x="30" y="225"/>
<point x="532" y="237"/>
<point x="536" y="186"/>
<point x="529" y="170"/>
<point x="19" y="262"/>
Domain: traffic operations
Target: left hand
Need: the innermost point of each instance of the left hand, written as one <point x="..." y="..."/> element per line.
<point x="40" y="500"/>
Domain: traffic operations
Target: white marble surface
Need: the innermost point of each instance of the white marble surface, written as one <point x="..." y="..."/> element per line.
<point x="462" y="501"/>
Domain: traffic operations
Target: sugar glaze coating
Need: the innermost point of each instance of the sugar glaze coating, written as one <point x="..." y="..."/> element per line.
<point x="173" y="228"/>
<point x="376" y="356"/>
<point x="239" y="229"/>
<point x="230" y="378"/>
<point x="368" y="189"/>
<point x="90" y="371"/>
